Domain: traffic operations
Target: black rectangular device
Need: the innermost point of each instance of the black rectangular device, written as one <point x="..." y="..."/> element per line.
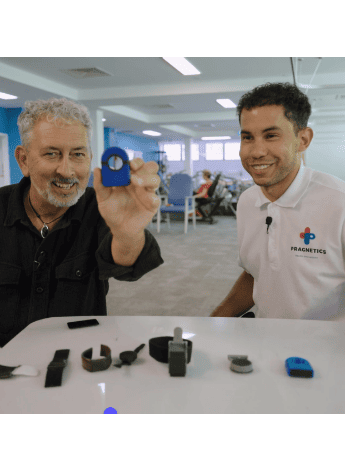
<point x="82" y="323"/>
<point x="298" y="367"/>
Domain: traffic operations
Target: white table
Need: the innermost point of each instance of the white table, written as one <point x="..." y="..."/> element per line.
<point x="209" y="386"/>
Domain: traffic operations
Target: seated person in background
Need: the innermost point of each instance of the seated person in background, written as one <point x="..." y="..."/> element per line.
<point x="291" y="223"/>
<point x="60" y="240"/>
<point x="202" y="191"/>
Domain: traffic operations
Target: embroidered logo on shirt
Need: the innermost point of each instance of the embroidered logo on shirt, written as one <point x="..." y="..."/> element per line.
<point x="307" y="236"/>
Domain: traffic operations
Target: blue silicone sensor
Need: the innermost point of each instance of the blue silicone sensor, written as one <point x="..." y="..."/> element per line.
<point x="298" y="367"/>
<point x="115" y="167"/>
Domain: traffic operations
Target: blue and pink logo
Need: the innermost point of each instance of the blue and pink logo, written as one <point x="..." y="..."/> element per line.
<point x="307" y="236"/>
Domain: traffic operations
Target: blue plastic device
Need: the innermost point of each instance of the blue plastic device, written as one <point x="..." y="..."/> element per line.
<point x="298" y="367"/>
<point x="115" y="167"/>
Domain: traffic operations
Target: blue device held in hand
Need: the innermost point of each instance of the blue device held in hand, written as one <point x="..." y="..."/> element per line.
<point x="115" y="167"/>
<point x="298" y="367"/>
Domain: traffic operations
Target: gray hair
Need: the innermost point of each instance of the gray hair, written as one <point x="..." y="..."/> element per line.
<point x="53" y="109"/>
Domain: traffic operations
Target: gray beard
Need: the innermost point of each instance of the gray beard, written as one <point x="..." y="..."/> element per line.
<point x="54" y="201"/>
<point x="49" y="197"/>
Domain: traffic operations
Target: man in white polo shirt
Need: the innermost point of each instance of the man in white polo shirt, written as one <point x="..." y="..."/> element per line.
<point x="291" y="223"/>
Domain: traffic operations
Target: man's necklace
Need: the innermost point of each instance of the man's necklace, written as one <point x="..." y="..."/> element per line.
<point x="45" y="229"/>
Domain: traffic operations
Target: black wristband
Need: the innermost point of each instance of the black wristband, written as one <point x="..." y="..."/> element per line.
<point x="158" y="348"/>
<point x="56" y="367"/>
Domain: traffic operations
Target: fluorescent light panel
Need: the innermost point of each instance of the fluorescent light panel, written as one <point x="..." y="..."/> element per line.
<point x="5" y="96"/>
<point x="152" y="133"/>
<point x="226" y="103"/>
<point x="226" y="137"/>
<point x="182" y="65"/>
<point x="301" y="85"/>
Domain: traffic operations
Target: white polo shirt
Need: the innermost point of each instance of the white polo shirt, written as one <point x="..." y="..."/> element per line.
<point x="298" y="267"/>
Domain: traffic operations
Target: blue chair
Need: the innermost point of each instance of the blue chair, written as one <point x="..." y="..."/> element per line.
<point x="181" y="198"/>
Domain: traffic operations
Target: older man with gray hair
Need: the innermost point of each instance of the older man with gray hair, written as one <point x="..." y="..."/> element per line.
<point x="61" y="241"/>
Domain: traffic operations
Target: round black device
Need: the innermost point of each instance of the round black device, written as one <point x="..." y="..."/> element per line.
<point x="241" y="365"/>
<point x="127" y="357"/>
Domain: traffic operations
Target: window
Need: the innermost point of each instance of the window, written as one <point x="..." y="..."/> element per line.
<point x="214" y="151"/>
<point x="138" y="154"/>
<point x="232" y="151"/>
<point x="176" y="152"/>
<point x="173" y="152"/>
<point x="194" y="152"/>
<point x="130" y="153"/>
<point x="133" y="153"/>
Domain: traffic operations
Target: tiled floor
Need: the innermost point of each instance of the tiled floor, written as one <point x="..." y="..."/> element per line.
<point x="199" y="270"/>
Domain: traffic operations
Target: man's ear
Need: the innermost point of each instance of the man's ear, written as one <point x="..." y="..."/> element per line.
<point x="21" y="156"/>
<point x="306" y="136"/>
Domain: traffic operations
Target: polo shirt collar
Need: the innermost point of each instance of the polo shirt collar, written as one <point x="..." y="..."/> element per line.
<point x="292" y="195"/>
<point x="16" y="210"/>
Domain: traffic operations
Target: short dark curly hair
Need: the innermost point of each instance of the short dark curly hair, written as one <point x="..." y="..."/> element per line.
<point x="296" y="104"/>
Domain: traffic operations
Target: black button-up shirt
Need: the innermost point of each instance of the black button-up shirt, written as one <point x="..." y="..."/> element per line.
<point x="64" y="274"/>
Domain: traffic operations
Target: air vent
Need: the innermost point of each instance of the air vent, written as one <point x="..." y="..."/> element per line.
<point x="205" y="126"/>
<point x="86" y="73"/>
<point x="160" y="106"/>
<point x="126" y="132"/>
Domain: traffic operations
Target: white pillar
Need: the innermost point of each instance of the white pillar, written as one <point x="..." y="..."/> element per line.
<point x="188" y="162"/>
<point x="5" y="176"/>
<point x="97" y="141"/>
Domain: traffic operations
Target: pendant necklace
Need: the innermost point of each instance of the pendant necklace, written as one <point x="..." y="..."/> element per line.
<point x="45" y="229"/>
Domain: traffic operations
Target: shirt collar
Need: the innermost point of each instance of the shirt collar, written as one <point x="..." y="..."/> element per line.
<point x="16" y="210"/>
<point x="292" y="195"/>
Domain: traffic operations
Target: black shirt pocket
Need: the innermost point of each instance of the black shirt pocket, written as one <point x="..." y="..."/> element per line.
<point x="76" y="284"/>
<point x="10" y="276"/>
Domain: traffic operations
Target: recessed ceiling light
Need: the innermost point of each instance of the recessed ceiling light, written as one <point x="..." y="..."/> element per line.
<point x="226" y="137"/>
<point x="301" y="85"/>
<point x="5" y="96"/>
<point x="103" y="119"/>
<point x="226" y="103"/>
<point x="152" y="133"/>
<point x="182" y="65"/>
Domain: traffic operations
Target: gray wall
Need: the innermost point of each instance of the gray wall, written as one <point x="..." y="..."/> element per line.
<point x="328" y="158"/>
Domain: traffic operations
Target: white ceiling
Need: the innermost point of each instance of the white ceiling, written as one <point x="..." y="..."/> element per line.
<point x="143" y="93"/>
